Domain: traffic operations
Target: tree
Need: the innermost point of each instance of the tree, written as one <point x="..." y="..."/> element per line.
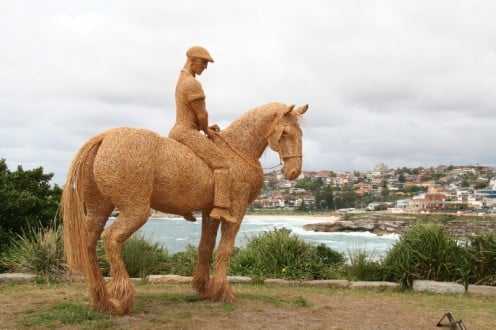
<point x="307" y="184"/>
<point x="346" y="198"/>
<point x="26" y="198"/>
<point x="326" y="200"/>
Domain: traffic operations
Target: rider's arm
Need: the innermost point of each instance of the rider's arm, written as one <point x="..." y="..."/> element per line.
<point x="198" y="106"/>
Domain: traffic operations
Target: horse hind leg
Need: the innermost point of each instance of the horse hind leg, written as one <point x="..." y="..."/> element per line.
<point x="121" y="289"/>
<point x="96" y="219"/>
<point x="98" y="209"/>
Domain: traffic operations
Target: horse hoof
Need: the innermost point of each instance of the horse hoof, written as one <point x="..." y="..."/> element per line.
<point x="221" y="292"/>
<point x="118" y="307"/>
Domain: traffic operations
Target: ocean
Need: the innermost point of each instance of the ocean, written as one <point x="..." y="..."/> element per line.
<point x="175" y="234"/>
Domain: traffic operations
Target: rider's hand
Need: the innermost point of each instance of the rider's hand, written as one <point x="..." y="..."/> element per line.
<point x="211" y="133"/>
<point x="215" y="128"/>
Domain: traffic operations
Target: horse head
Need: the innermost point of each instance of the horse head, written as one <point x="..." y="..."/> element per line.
<point x="285" y="139"/>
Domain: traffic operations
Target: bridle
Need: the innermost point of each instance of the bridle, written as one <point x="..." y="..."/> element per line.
<point x="279" y="129"/>
<point x="282" y="157"/>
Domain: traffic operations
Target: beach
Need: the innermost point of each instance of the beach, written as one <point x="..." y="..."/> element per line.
<point x="321" y="218"/>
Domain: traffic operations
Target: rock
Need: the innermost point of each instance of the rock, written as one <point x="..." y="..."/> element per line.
<point x="17" y="277"/>
<point x="171" y="279"/>
<point x="328" y="283"/>
<point x="438" y="287"/>
<point x="374" y="284"/>
<point x="133" y="279"/>
<point x="484" y="290"/>
<point x="382" y="224"/>
<point x="239" y="279"/>
<point x="379" y="224"/>
<point x="277" y="281"/>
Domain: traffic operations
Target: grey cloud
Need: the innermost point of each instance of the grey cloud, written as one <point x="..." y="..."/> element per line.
<point x="404" y="83"/>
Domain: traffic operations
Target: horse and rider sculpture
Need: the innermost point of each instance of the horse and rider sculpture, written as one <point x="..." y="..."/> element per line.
<point x="217" y="173"/>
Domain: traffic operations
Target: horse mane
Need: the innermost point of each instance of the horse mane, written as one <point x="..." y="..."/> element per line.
<point x="264" y="114"/>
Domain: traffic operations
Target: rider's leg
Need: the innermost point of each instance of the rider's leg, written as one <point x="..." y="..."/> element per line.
<point x="213" y="156"/>
<point x="222" y="196"/>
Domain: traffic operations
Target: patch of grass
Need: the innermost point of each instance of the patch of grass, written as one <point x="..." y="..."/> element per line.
<point x="301" y="302"/>
<point x="68" y="313"/>
<point x="272" y="300"/>
<point x="50" y="306"/>
<point x="362" y="267"/>
<point x="228" y="307"/>
<point x="36" y="251"/>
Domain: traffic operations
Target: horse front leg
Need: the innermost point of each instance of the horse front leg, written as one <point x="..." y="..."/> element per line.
<point x="205" y="249"/>
<point x="218" y="286"/>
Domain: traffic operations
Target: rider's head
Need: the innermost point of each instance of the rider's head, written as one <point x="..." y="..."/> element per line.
<point x="198" y="58"/>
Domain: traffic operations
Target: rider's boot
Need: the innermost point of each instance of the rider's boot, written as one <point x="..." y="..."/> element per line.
<point x="222" y="196"/>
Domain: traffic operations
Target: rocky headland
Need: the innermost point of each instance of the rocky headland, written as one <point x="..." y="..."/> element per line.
<point x="382" y="224"/>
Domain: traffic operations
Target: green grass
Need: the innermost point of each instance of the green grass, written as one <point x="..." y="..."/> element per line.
<point x="67" y="313"/>
<point x="176" y="306"/>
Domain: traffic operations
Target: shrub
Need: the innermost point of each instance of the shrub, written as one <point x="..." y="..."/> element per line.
<point x="39" y="252"/>
<point x="140" y="256"/>
<point x="481" y="251"/>
<point x="183" y="263"/>
<point x="362" y="267"/>
<point x="425" y="252"/>
<point x="280" y="254"/>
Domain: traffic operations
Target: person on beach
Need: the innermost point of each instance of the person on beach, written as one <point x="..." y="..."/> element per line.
<point x="191" y="118"/>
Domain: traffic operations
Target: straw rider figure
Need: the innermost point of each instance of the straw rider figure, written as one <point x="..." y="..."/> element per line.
<point x="191" y="118"/>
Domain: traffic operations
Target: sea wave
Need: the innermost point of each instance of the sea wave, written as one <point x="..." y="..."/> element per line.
<point x="176" y="234"/>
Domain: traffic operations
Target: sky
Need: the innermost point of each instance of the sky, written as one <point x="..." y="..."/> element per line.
<point x="404" y="83"/>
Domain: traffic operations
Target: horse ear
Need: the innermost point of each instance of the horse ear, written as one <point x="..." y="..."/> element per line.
<point x="301" y="110"/>
<point x="289" y="109"/>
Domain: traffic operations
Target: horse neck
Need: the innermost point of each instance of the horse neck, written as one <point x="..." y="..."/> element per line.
<point x="248" y="134"/>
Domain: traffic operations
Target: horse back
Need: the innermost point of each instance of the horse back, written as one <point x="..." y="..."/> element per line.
<point x="183" y="182"/>
<point x="125" y="162"/>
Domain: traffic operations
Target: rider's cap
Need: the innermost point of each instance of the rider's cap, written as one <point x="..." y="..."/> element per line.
<point x="197" y="51"/>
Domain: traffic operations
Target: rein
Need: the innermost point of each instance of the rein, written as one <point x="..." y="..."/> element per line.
<point x="257" y="165"/>
<point x="239" y="153"/>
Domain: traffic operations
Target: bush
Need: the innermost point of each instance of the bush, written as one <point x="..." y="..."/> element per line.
<point x="362" y="267"/>
<point x="39" y="252"/>
<point x="279" y="254"/>
<point x="481" y="251"/>
<point x="425" y="252"/>
<point x="140" y="256"/>
<point x="4" y="239"/>
<point x="183" y="263"/>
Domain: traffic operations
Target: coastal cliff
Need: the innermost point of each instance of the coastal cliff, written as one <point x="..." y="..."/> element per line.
<point x="382" y="224"/>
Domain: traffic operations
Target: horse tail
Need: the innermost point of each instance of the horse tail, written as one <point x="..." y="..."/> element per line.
<point x="73" y="208"/>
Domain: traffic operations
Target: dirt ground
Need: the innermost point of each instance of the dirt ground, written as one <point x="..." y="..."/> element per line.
<point x="259" y="307"/>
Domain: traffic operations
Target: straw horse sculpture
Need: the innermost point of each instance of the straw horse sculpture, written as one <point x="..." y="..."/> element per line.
<point x="136" y="169"/>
